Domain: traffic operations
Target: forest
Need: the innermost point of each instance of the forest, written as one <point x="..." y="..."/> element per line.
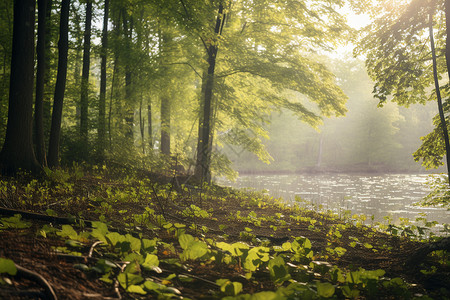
<point x="117" y="117"/>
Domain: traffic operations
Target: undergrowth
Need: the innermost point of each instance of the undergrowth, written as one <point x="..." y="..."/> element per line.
<point x="149" y="236"/>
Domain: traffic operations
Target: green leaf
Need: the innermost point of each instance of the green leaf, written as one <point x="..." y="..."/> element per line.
<point x="15" y="222"/>
<point x="340" y="251"/>
<point x="278" y="270"/>
<point x="152" y="286"/>
<point x="185" y="240"/>
<point x="151" y="262"/>
<point x="349" y="292"/>
<point x="325" y="289"/>
<point x="99" y="231"/>
<point x="128" y="279"/>
<point x="135" y="244"/>
<point x="195" y="250"/>
<point x="113" y="238"/>
<point x="68" y="231"/>
<point x="7" y="266"/>
<point x="228" y="287"/>
<point x="136" y="289"/>
<point x="368" y="246"/>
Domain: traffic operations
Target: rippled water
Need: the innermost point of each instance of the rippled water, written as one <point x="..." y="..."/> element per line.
<point x="373" y="195"/>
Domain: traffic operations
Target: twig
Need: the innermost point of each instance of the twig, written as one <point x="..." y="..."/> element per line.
<point x="116" y="288"/>
<point x="92" y="247"/>
<point x="21" y="271"/>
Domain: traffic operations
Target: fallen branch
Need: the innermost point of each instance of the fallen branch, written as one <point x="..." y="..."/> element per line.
<point x="31" y="275"/>
<point x="42" y="217"/>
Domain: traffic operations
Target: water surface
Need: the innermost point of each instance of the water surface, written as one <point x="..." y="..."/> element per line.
<point x="373" y="195"/>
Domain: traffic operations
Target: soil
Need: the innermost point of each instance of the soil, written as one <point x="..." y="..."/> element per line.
<point x="32" y="251"/>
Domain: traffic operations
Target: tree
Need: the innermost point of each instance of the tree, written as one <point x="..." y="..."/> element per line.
<point x="40" y="80"/>
<point x="268" y="46"/>
<point x="84" y="101"/>
<point x="101" y="138"/>
<point x="63" y="47"/>
<point x="17" y="152"/>
<point x="401" y="63"/>
<point x="439" y="99"/>
<point x="204" y="149"/>
<point x="6" y="23"/>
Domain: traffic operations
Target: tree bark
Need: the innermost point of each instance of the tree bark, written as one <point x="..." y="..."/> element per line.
<point x="438" y="95"/>
<point x="101" y="144"/>
<point x="142" y="126"/>
<point x="17" y="152"/>
<point x="202" y="168"/>
<point x="63" y="47"/>
<point x="48" y="80"/>
<point x="129" y="114"/>
<point x="84" y="101"/>
<point x="149" y="127"/>
<point x="40" y="75"/>
<point x="165" y="125"/>
<point x="447" y="58"/>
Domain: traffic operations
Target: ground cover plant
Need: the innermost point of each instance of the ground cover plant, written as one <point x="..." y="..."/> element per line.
<point x="110" y="233"/>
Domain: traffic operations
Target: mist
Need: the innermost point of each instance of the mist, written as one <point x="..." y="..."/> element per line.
<point x="370" y="138"/>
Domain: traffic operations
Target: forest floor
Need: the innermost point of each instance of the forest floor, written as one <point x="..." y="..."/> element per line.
<point x="114" y="235"/>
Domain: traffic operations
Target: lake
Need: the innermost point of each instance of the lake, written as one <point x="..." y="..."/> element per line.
<point x="373" y="195"/>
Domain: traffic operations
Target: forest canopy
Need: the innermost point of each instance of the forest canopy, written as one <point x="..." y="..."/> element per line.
<point x="174" y="84"/>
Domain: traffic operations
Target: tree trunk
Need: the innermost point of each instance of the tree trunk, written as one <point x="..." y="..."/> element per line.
<point x="78" y="47"/>
<point x="142" y="126"/>
<point x="165" y="125"/>
<point x="48" y="80"/>
<point x="439" y="100"/>
<point x="149" y="127"/>
<point x="202" y="168"/>
<point x="17" y="152"/>
<point x="101" y="141"/>
<point x="40" y="75"/>
<point x="84" y="101"/>
<point x="63" y="47"/>
<point x="447" y="58"/>
<point x="129" y="114"/>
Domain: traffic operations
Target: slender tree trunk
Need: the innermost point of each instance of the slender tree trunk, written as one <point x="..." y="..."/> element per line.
<point x="438" y="95"/>
<point x="141" y="126"/>
<point x="40" y="75"/>
<point x="165" y="125"/>
<point x="48" y="88"/>
<point x="149" y="126"/>
<point x="129" y="114"/>
<point x="113" y="81"/>
<point x="63" y="47"/>
<point x="17" y="152"/>
<point x="78" y="55"/>
<point x="84" y="101"/>
<point x="202" y="169"/>
<point x="101" y="143"/>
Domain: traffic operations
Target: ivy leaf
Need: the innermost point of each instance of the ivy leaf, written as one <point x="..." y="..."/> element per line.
<point x="151" y="262"/>
<point x="68" y="231"/>
<point x="136" y="289"/>
<point x="186" y="240"/>
<point x="128" y="279"/>
<point x="7" y="266"/>
<point x="113" y="238"/>
<point x="325" y="289"/>
<point x="278" y="270"/>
